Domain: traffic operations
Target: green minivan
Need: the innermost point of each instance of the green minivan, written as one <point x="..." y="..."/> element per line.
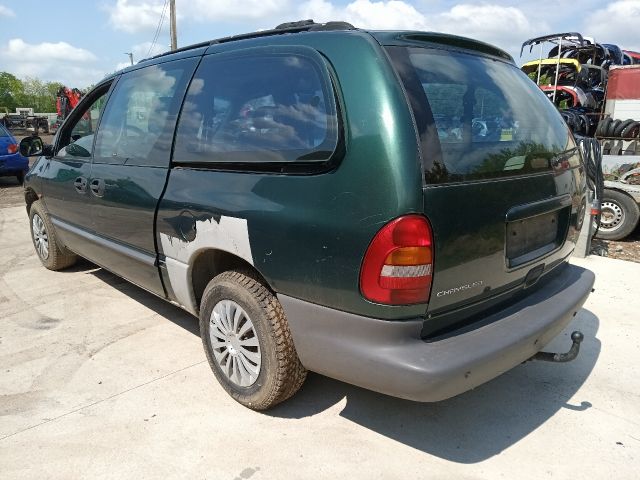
<point x="394" y="209"/>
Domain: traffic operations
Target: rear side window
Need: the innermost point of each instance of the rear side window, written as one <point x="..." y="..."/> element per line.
<point x="258" y="106"/>
<point x="480" y="117"/>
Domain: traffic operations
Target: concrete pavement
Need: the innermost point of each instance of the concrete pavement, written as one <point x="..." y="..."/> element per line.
<point x="100" y="379"/>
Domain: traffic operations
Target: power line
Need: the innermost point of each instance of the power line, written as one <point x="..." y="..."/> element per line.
<point x="155" y="37"/>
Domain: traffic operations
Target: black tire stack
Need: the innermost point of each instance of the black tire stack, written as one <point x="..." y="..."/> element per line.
<point x="624" y="129"/>
<point x="579" y="121"/>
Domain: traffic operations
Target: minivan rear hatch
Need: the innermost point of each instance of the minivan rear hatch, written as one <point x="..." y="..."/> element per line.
<point x="501" y="183"/>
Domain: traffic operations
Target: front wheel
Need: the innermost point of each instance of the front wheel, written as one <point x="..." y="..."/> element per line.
<point x="619" y="215"/>
<point x="52" y="255"/>
<point x="248" y="342"/>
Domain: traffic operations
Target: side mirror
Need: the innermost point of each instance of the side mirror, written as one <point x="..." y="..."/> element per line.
<point x="31" y="146"/>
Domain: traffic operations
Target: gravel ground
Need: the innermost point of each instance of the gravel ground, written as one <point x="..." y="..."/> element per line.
<point x="626" y="249"/>
<point x="10" y="192"/>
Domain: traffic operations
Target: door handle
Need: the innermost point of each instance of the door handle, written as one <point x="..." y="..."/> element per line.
<point x="80" y="184"/>
<point x="97" y="187"/>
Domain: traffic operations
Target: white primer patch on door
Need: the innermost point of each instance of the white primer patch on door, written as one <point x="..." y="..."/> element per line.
<point x="230" y="234"/>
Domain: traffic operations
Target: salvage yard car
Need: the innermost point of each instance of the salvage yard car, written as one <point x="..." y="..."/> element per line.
<point x="12" y="163"/>
<point x="291" y="188"/>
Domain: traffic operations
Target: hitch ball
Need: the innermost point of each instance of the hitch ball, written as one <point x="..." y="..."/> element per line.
<point x="576" y="337"/>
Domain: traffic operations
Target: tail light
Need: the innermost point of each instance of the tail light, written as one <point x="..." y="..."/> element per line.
<point x="398" y="266"/>
<point x="12" y="148"/>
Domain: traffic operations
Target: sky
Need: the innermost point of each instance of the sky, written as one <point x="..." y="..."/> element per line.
<point x="77" y="42"/>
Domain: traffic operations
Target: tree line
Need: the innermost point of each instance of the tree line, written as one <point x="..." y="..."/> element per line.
<point x="28" y="93"/>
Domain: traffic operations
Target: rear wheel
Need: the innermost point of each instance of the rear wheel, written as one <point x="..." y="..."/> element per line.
<point x="52" y="255"/>
<point x="247" y="341"/>
<point x="20" y="177"/>
<point x="619" y="215"/>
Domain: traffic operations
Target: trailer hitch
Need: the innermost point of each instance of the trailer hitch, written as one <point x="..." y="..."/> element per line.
<point x="576" y="337"/>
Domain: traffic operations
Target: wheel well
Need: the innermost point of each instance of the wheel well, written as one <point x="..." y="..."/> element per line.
<point x="210" y="263"/>
<point x="29" y="197"/>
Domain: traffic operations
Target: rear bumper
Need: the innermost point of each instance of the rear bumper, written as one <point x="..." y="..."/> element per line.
<point x="390" y="357"/>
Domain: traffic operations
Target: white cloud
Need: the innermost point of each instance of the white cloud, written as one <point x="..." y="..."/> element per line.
<point x="147" y="49"/>
<point x="134" y="16"/>
<point x="367" y="14"/>
<point x="6" y="12"/>
<point x="18" y="49"/>
<point x="140" y="15"/>
<point x="60" y="62"/>
<point x="142" y="51"/>
<point x="505" y="27"/>
<point x="233" y="10"/>
<point x="616" y="23"/>
<point x="121" y="65"/>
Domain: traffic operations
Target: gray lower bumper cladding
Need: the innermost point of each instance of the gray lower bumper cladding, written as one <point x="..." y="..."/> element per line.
<point x="390" y="356"/>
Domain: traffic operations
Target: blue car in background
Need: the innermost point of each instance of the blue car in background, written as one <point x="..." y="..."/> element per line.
<point x="11" y="162"/>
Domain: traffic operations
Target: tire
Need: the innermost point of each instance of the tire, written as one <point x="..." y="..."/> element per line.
<point x="20" y="177"/>
<point x="631" y="131"/>
<point x="620" y="128"/>
<point x="586" y="126"/>
<point x="603" y="127"/>
<point x="275" y="373"/>
<point x="54" y="256"/>
<point x="612" y="128"/>
<point x="619" y="217"/>
<point x="570" y="119"/>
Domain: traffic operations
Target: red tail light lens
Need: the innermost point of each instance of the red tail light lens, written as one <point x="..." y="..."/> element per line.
<point x="12" y="148"/>
<point x="398" y="266"/>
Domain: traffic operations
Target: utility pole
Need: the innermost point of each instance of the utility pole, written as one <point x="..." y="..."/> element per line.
<point x="172" y="18"/>
<point x="130" y="56"/>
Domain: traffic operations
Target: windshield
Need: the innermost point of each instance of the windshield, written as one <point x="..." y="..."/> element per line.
<point x="3" y="131"/>
<point x="479" y="117"/>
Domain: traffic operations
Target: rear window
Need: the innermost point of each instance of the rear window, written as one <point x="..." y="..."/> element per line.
<point x="480" y="117"/>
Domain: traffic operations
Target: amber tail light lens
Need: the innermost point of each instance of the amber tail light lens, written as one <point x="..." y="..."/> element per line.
<point x="398" y="266"/>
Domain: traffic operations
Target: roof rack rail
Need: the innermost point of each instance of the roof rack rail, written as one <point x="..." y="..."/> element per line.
<point x="288" y="27"/>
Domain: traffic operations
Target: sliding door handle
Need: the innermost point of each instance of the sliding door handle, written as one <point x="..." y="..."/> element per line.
<point x="97" y="187"/>
<point x="80" y="184"/>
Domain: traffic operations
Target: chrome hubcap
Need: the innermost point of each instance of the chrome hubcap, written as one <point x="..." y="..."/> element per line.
<point x="612" y="216"/>
<point x="234" y="342"/>
<point x="40" y="237"/>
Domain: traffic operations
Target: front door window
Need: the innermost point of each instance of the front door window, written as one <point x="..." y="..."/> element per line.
<point x="77" y="138"/>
